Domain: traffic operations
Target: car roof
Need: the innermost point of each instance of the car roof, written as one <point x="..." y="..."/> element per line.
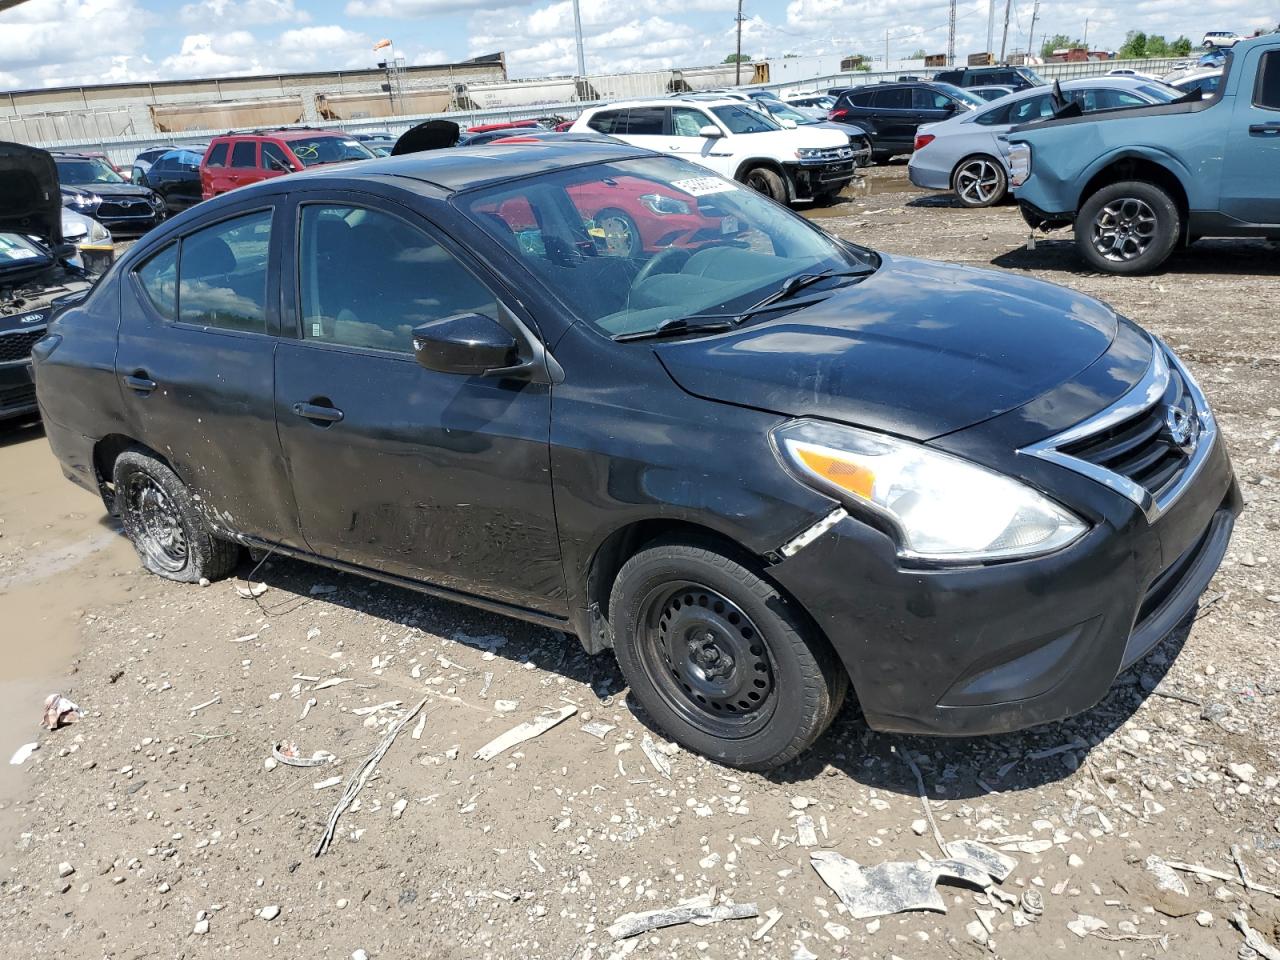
<point x="463" y="168"/>
<point x="713" y="101"/>
<point x="293" y="133"/>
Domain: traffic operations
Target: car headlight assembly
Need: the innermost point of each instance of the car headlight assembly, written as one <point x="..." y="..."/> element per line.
<point x="98" y="233"/>
<point x="942" y="508"/>
<point x="664" y="205"/>
<point x="74" y="228"/>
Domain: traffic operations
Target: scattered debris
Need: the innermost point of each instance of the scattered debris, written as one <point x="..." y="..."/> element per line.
<point x="697" y="910"/>
<point x="771" y="919"/>
<point x="991" y="861"/>
<point x="1220" y="875"/>
<point x="326" y="784"/>
<point x="306" y="708"/>
<point x="659" y="763"/>
<point x="288" y="753"/>
<point x="1253" y="938"/>
<point x="598" y="729"/>
<point x="806" y="831"/>
<point x="361" y="776"/>
<point x="419" y="727"/>
<point x="366" y="711"/>
<point x="924" y="795"/>
<point x="892" y="887"/>
<point x="1165" y="877"/>
<point x="253" y="591"/>
<point x="525" y="731"/>
<point x="217" y="698"/>
<point x="331" y="682"/>
<point x="59" y="711"/>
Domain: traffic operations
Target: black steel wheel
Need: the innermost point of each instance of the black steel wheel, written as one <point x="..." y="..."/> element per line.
<point x="161" y="519"/>
<point x="766" y="181"/>
<point x="719" y="658"/>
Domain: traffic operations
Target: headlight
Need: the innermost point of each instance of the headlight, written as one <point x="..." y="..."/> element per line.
<point x="660" y="204"/>
<point x="1019" y="163"/>
<point x="942" y="507"/>
<point x="810" y="153"/>
<point x="74" y="226"/>
<point x="98" y="233"/>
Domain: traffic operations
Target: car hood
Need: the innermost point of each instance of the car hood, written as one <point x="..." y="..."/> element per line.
<point x="428" y="135"/>
<point x="787" y="141"/>
<point x="30" y="203"/>
<point x="918" y="349"/>
<point x="107" y="189"/>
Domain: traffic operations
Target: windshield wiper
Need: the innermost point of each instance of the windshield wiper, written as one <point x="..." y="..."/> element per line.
<point x="794" y="285"/>
<point x="680" y="325"/>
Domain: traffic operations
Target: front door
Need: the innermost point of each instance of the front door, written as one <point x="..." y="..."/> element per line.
<point x="196" y="362"/>
<point x="688" y="143"/>
<point x="1250" y="184"/>
<point x="427" y="475"/>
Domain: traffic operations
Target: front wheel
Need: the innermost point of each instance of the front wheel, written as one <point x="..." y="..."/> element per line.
<point x="979" y="182"/>
<point x="160" y="517"/>
<point x="766" y="181"/>
<point x="1128" y="227"/>
<point x="621" y="235"/>
<point x="719" y="659"/>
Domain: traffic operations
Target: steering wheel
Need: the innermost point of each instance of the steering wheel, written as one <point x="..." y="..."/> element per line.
<point x="663" y="259"/>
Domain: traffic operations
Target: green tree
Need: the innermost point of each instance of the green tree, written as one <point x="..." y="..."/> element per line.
<point x="920" y="54"/>
<point x="1181" y="47"/>
<point x="1134" y="46"/>
<point x="736" y="58"/>
<point x="1059" y="41"/>
<point x="1157" y="46"/>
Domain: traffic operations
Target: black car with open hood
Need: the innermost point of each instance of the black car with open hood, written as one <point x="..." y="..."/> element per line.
<point x="34" y="274"/>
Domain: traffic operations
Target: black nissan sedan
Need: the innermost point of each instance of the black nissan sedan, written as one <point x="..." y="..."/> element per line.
<point x="611" y="393"/>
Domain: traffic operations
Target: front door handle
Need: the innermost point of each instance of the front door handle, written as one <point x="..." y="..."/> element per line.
<point x="1265" y="129"/>
<point x="140" y="383"/>
<point x="318" y="412"/>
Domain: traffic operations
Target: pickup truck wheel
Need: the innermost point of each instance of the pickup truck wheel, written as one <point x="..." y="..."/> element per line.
<point x="766" y="181"/>
<point x="1128" y="227"/>
<point x="979" y="181"/>
<point x="160" y="518"/>
<point x="719" y="659"/>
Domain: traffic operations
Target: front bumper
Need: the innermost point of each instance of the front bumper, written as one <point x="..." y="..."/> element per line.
<point x="813" y="180"/>
<point x="17" y="391"/>
<point x="981" y="650"/>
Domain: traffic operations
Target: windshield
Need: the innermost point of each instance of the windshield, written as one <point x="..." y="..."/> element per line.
<point x="961" y="94"/>
<point x="780" y="111"/>
<point x="17" y="252"/>
<point x="1034" y="77"/>
<point x="1160" y="93"/>
<point x="743" y="119"/>
<point x="631" y="245"/>
<point x="87" y="171"/>
<point x="316" y="150"/>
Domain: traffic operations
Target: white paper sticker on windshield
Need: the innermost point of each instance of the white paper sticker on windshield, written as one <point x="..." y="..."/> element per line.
<point x="701" y="186"/>
<point x="20" y="253"/>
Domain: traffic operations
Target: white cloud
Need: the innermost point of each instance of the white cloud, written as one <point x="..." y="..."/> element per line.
<point x="418" y="9"/>
<point x="242" y="12"/>
<point x="54" y="41"/>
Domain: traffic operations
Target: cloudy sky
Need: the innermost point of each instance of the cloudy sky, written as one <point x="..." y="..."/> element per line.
<point x="54" y="42"/>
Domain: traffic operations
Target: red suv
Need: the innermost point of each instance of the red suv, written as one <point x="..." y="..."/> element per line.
<point x="237" y="159"/>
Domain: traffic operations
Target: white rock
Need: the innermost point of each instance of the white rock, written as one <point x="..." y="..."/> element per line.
<point x="1204" y="918"/>
<point x="359" y="955"/>
<point x="1244" y="772"/>
<point x="506" y="706"/>
<point x="65" y="869"/>
<point x="201" y="928"/>
<point x="918" y="827"/>
<point x="1084" y="925"/>
<point x="799" y="803"/>
<point x="976" y="930"/>
<point x="1140" y="736"/>
<point x="1166" y="878"/>
<point x="270" y="763"/>
<point x="398" y="809"/>
<point x="269" y="912"/>
<point x="1074" y="861"/>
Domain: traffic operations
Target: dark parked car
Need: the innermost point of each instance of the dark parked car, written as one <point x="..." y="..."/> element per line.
<point x="175" y="176"/>
<point x="90" y="186"/>
<point x="891" y="112"/>
<point x="35" y="272"/>
<point x="1019" y="78"/>
<point x="757" y="469"/>
<point x="143" y="161"/>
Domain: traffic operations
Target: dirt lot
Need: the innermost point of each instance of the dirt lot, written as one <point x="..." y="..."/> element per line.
<point x="179" y="836"/>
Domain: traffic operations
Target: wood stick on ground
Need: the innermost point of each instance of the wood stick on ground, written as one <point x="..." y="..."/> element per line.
<point x="361" y="775"/>
<point x="924" y="797"/>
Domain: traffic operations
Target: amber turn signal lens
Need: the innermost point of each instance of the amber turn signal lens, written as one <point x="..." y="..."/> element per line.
<point x="849" y="476"/>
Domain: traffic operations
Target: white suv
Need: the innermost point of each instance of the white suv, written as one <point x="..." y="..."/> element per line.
<point x="1220" y="38"/>
<point x="735" y="140"/>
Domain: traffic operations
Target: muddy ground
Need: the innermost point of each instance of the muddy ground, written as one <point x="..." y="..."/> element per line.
<point x="178" y="836"/>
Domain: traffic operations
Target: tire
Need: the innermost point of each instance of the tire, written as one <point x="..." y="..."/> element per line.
<point x="979" y="181"/>
<point x="625" y="240"/>
<point x="161" y="520"/>
<point x="1128" y="227"/>
<point x="880" y="157"/>
<point x="766" y="181"/>
<point x="762" y="687"/>
<point x="863" y="145"/>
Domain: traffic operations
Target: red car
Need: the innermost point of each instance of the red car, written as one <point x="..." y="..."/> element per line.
<point x="238" y="159"/>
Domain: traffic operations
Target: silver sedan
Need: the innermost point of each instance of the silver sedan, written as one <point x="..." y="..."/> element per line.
<point x="964" y="153"/>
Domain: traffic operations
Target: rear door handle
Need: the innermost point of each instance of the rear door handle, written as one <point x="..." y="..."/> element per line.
<point x="315" y="411"/>
<point x="140" y="383"/>
<point x="1265" y="129"/>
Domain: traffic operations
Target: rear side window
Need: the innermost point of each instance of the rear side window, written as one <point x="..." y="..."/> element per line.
<point x="218" y="155"/>
<point x="222" y="274"/>
<point x="159" y="278"/>
<point x="1267" y="93"/>
<point x="1032" y="108"/>
<point x="893" y="99"/>
<point x="646" y="121"/>
<point x="367" y="278"/>
<point x="994" y="117"/>
<point x="244" y="154"/>
<point x="861" y="99"/>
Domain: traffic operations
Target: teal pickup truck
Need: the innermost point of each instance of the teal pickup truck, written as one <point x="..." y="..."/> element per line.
<point x="1138" y="182"/>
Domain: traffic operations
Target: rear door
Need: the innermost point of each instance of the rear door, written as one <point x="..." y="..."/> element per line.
<point x="242" y="164"/>
<point x="896" y="117"/>
<point x="433" y="476"/>
<point x="1250" y="185"/>
<point x="196" y="363"/>
<point x="647" y="127"/>
<point x="213" y="170"/>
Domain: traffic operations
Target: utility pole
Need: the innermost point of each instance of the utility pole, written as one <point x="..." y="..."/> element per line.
<point x="951" y="36"/>
<point x="1085" y="41"/>
<point x="886" y="49"/>
<point x="1004" y="40"/>
<point x="1031" y="37"/>
<point x="737" y="73"/>
<point x="577" y="33"/>
<point x="991" y="25"/>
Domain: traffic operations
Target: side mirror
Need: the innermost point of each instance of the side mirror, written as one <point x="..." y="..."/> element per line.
<point x="469" y="344"/>
<point x="787" y="124"/>
<point x="710" y="131"/>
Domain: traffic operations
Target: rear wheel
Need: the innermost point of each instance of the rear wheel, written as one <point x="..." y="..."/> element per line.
<point x="719" y="659"/>
<point x="160" y="517"/>
<point x="979" y="181"/>
<point x="1128" y="227"/>
<point x="766" y="181"/>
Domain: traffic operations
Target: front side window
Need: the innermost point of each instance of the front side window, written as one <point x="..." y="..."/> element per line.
<point x="218" y="155"/>
<point x="630" y="245"/>
<point x="222" y="274"/>
<point x="688" y="122"/>
<point x="159" y="278"/>
<point x="925" y="99"/>
<point x="366" y="279"/>
<point x="244" y="154"/>
<point x="273" y="158"/>
<point x="899" y="99"/>
<point x="743" y="119"/>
